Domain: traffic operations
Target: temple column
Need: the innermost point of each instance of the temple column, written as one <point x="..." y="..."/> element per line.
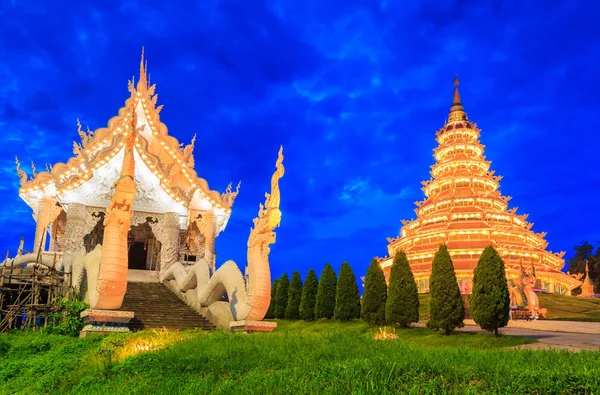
<point x="208" y="230"/>
<point x="47" y="212"/>
<point x="75" y="228"/>
<point x="166" y="231"/>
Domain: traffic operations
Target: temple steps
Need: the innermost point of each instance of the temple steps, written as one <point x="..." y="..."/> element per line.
<point x="156" y="307"/>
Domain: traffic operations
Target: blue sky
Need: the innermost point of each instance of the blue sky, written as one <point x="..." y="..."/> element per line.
<point x="354" y="91"/>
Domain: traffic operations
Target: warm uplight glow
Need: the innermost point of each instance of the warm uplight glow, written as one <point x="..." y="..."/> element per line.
<point x="384" y="334"/>
<point x="154" y="340"/>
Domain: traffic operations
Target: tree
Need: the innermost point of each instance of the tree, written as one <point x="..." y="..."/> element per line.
<point x="402" y="306"/>
<point x="347" y="298"/>
<point x="282" y="296"/>
<point x="294" y="295"/>
<point x="325" y="303"/>
<point x="273" y="303"/>
<point x="309" y="296"/>
<point x="446" y="308"/>
<point x="374" y="296"/>
<point x="490" y="301"/>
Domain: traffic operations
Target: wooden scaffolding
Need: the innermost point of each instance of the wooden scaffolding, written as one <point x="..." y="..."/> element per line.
<point x="27" y="294"/>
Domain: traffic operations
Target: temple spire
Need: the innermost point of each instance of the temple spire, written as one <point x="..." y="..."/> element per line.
<point x="142" y="83"/>
<point x="457" y="111"/>
<point x="587" y="288"/>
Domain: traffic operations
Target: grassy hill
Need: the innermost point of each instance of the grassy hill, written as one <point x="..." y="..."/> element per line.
<point x="560" y="307"/>
<point x="326" y="357"/>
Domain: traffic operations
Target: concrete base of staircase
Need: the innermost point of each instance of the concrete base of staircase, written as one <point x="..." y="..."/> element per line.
<point x="252" y="326"/>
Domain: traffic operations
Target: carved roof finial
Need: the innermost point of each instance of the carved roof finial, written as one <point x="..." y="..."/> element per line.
<point x="457" y="111"/>
<point x="142" y="84"/>
<point x="20" y="172"/>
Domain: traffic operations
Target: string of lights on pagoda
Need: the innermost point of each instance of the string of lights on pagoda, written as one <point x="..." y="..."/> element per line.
<point x="464" y="209"/>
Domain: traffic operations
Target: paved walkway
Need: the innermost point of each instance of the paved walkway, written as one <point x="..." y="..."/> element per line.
<point x="551" y="335"/>
<point x="553" y="326"/>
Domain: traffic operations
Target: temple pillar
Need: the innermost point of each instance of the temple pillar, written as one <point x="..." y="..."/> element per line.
<point x="196" y="241"/>
<point x="208" y="230"/>
<point x="75" y="228"/>
<point x="46" y="213"/>
<point x="166" y="231"/>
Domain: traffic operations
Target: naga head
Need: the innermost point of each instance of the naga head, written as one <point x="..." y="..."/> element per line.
<point x="269" y="215"/>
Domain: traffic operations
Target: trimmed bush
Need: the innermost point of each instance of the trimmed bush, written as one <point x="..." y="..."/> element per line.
<point x="402" y="306"/>
<point x="325" y="304"/>
<point x="490" y="301"/>
<point x="282" y="296"/>
<point x="347" y="299"/>
<point x="66" y="319"/>
<point x="294" y="296"/>
<point x="273" y="303"/>
<point x="309" y="296"/>
<point x="375" y="295"/>
<point x="446" y="309"/>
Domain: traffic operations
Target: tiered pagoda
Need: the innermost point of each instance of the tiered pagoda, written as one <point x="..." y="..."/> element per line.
<point x="465" y="210"/>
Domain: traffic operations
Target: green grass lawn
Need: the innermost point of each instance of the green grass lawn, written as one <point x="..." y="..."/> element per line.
<point x="298" y="358"/>
<point x="562" y="307"/>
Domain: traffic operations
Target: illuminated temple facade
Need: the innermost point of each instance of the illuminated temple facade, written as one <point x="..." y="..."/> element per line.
<point x="176" y="214"/>
<point x="465" y="210"/>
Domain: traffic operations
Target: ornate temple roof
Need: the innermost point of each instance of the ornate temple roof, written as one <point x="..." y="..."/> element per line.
<point x="166" y="167"/>
<point x="464" y="209"/>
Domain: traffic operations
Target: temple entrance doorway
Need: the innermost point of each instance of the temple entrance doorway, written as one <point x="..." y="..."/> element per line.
<point x="144" y="249"/>
<point x="138" y="255"/>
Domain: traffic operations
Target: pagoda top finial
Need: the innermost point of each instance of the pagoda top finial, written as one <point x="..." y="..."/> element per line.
<point x="142" y="82"/>
<point x="457" y="111"/>
<point x="587" y="267"/>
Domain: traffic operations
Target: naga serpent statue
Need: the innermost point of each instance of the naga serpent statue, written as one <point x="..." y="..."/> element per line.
<point x="112" y="275"/>
<point x="249" y="298"/>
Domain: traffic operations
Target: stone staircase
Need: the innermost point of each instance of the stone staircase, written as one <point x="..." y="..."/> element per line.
<point x="156" y="307"/>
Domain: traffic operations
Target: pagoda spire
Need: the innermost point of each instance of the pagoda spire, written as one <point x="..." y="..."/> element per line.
<point x="587" y="288"/>
<point x="142" y="82"/>
<point x="457" y="111"/>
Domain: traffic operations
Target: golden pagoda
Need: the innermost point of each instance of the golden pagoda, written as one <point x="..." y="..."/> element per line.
<point x="465" y="210"/>
<point x="587" y="288"/>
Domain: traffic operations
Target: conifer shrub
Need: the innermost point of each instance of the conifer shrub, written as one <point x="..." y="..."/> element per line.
<point x="446" y="309"/>
<point x="402" y="306"/>
<point x="347" y="298"/>
<point x="292" y="311"/>
<point x="273" y="303"/>
<point x="325" y="303"/>
<point x="309" y="296"/>
<point x="282" y="296"/>
<point x="374" y="296"/>
<point x="490" y="301"/>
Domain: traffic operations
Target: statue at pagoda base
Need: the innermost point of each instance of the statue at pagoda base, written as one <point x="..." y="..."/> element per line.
<point x="248" y="298"/>
<point x="523" y="296"/>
